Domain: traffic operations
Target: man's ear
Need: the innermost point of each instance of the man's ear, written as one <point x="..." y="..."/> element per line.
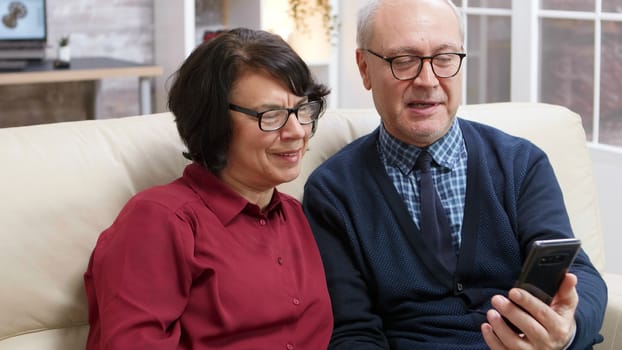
<point x="361" y="62"/>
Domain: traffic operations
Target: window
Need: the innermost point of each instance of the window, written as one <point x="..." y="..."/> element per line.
<point x="554" y="51"/>
<point x="488" y="39"/>
<point x="567" y="66"/>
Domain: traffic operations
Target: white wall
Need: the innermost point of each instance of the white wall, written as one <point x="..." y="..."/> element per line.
<point x="608" y="176"/>
<point x="174" y="33"/>
<point x="352" y="94"/>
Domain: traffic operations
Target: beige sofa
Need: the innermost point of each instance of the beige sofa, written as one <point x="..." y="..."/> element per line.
<point x="62" y="184"/>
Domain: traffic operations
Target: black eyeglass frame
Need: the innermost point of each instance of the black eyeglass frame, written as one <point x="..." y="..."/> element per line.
<point x="422" y="59"/>
<point x="294" y="110"/>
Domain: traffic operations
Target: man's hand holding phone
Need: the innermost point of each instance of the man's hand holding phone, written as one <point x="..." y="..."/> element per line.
<point x="542" y="326"/>
<point x="536" y="319"/>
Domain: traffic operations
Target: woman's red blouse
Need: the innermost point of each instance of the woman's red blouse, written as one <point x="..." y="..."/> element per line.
<point x="193" y="265"/>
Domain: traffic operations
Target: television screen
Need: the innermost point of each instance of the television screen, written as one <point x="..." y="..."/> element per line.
<point x="22" y="20"/>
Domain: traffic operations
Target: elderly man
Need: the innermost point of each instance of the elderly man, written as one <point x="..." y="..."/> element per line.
<point x="423" y="224"/>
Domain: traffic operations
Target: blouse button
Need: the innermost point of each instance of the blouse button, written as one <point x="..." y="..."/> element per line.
<point x="279" y="260"/>
<point x="296" y="301"/>
<point x="262" y="222"/>
<point x="290" y="346"/>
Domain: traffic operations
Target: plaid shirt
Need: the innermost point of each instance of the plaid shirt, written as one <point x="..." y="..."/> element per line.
<point x="449" y="174"/>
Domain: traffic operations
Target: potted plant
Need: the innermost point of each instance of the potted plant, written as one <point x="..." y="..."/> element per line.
<point x="64" y="50"/>
<point x="302" y="10"/>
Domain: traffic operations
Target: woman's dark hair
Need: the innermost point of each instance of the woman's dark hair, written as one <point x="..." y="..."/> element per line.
<point x="199" y="96"/>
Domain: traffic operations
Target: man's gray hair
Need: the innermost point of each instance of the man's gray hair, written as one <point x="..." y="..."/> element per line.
<point x="366" y="15"/>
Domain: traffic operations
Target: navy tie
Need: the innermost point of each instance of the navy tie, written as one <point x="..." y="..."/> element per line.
<point x="434" y="222"/>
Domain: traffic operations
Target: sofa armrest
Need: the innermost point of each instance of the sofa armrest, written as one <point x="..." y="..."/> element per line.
<point x="613" y="317"/>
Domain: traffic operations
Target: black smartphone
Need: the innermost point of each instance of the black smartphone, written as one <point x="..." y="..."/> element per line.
<point x="546" y="265"/>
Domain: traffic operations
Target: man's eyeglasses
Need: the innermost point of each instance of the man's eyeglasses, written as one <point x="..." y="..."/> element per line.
<point x="408" y="67"/>
<point x="274" y="119"/>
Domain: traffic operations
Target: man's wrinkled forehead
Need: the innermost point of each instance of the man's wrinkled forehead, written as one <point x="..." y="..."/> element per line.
<point x="415" y="23"/>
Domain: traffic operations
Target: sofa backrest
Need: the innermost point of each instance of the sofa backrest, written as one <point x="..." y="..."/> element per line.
<point x="555" y="129"/>
<point x="62" y="184"/>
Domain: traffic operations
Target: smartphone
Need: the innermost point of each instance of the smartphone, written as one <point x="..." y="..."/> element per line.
<point x="546" y="265"/>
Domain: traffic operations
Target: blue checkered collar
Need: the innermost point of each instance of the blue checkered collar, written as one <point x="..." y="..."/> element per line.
<point x="445" y="151"/>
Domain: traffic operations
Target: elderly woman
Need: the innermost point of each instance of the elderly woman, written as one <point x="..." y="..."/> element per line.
<point x="219" y="259"/>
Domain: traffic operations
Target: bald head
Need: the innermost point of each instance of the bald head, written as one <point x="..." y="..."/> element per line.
<point x="367" y="14"/>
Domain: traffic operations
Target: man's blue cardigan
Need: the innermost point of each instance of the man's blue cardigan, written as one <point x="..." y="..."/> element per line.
<point x="389" y="291"/>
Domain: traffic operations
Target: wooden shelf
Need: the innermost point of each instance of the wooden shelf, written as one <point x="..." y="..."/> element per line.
<point x="88" y="69"/>
<point x="92" y="68"/>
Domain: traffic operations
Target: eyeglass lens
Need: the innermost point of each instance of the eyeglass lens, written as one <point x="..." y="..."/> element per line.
<point x="275" y="119"/>
<point x="443" y="65"/>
